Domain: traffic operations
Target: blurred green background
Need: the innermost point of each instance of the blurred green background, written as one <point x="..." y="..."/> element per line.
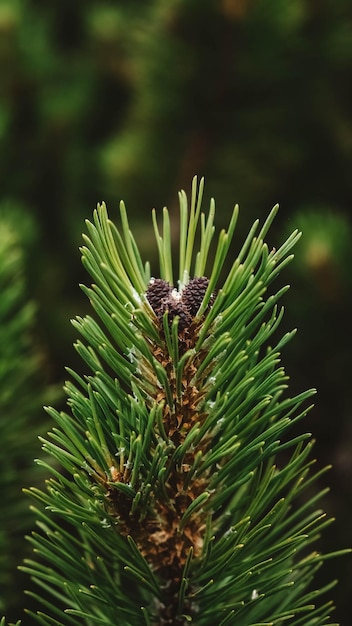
<point x="130" y="99"/>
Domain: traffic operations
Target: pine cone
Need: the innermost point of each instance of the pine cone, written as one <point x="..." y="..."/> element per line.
<point x="158" y="290"/>
<point x="194" y="292"/>
<point x="175" y="307"/>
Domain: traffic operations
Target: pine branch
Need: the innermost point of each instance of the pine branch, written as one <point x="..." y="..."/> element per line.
<point x="181" y="496"/>
<point x="20" y="396"/>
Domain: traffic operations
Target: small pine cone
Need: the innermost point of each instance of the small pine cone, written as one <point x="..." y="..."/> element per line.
<point x="175" y="307"/>
<point x="194" y="292"/>
<point x="158" y="290"/>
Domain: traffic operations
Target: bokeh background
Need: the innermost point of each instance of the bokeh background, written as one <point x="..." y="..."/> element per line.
<point x="107" y="100"/>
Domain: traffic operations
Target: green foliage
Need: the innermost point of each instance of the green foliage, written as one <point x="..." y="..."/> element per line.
<point x="116" y="98"/>
<point x="20" y="396"/>
<point x="182" y="493"/>
<point x="3" y="623"/>
<point x="325" y="251"/>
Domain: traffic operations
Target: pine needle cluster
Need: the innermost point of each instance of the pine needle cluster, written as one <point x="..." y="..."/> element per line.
<point x="20" y="396"/>
<point x="181" y="497"/>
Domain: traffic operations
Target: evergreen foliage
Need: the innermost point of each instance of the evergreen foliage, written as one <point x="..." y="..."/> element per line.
<point x="130" y="98"/>
<point x="20" y="396"/>
<point x="180" y="496"/>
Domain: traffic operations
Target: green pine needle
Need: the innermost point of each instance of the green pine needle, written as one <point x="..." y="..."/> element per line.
<point x="180" y="495"/>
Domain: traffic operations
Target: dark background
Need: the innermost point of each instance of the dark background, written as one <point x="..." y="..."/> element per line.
<point x="129" y="100"/>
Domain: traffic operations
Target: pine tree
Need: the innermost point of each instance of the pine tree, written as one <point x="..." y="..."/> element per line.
<point x="181" y="493"/>
<point x="20" y="396"/>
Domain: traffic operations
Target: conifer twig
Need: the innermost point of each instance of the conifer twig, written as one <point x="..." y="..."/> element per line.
<point x="180" y="498"/>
